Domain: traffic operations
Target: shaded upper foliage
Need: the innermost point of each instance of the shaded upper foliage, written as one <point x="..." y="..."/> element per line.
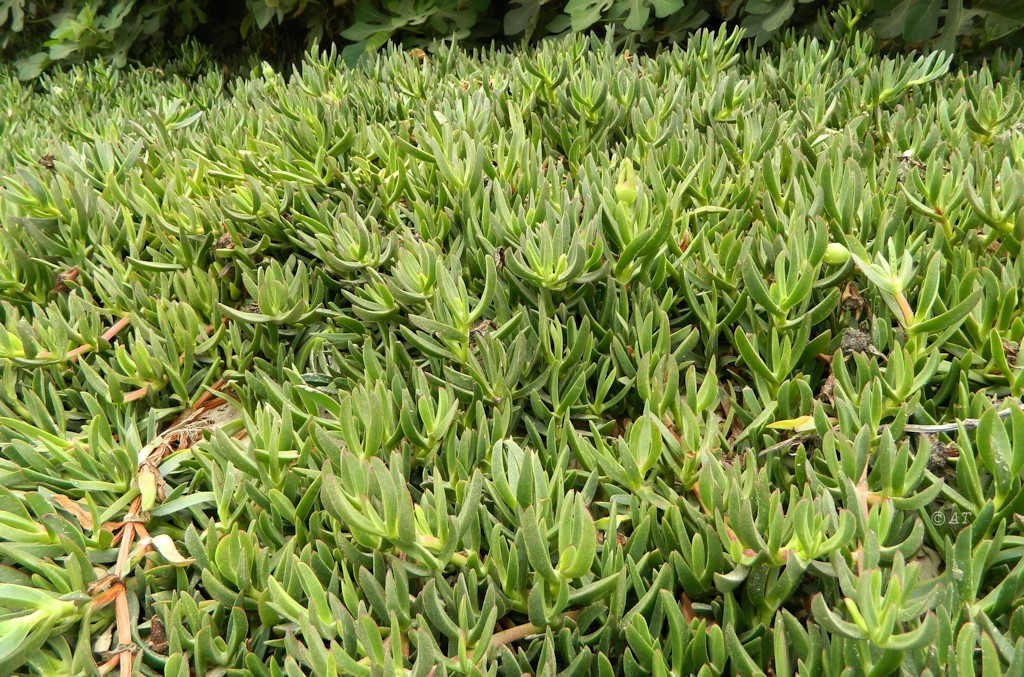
<point x="43" y="33"/>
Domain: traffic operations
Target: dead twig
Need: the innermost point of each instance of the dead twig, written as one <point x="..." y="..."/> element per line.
<point x="967" y="423"/>
<point x="911" y="428"/>
<point x="518" y="632"/>
<point x="209" y="412"/>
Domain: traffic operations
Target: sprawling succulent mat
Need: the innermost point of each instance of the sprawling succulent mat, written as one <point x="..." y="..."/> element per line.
<point x="566" y="362"/>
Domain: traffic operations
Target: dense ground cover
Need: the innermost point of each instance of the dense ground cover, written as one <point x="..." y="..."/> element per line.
<point x="572" y="362"/>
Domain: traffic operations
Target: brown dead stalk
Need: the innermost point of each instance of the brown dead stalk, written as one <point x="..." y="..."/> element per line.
<point x="208" y="413"/>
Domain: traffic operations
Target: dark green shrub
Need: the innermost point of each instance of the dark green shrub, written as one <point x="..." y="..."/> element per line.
<point x="70" y="31"/>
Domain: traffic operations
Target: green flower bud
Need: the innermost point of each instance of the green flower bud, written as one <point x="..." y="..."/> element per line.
<point x="836" y="254"/>
<point x="625" y="191"/>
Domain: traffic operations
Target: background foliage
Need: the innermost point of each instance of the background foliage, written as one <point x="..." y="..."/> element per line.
<point x="42" y="32"/>
<point x="570" y="361"/>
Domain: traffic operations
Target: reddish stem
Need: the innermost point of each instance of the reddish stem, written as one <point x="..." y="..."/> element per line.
<point x="136" y="394"/>
<point x="81" y="350"/>
<point x="908" y="312"/>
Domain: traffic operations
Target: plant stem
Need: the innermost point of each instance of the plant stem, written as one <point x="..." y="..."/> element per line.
<point x="908" y="312"/>
<point x="136" y="394"/>
<point x="81" y="350"/>
<point x="525" y="630"/>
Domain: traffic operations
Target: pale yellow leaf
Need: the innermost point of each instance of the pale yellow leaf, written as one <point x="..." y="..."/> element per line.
<point x="800" y="424"/>
<point x="164" y="544"/>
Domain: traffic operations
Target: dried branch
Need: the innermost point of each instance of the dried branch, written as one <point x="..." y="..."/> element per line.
<point x="910" y="428"/>
<point x="514" y="634"/>
<point x="208" y="412"/>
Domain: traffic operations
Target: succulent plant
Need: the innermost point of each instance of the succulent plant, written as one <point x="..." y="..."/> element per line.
<point x="543" y="362"/>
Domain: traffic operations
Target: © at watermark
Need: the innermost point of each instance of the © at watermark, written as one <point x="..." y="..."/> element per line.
<point x="953" y="518"/>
